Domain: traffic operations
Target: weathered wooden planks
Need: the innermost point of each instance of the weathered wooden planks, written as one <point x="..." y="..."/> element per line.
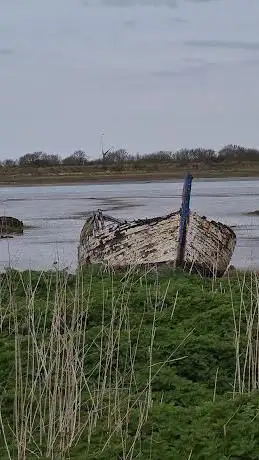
<point x="208" y="249"/>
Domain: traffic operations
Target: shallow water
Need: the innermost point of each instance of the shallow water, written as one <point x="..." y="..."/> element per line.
<point x="54" y="215"/>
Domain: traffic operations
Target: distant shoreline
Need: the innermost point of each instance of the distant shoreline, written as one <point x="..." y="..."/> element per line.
<point x="112" y="177"/>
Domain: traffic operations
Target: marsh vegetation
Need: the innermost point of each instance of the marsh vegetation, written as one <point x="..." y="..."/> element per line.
<point x="136" y="364"/>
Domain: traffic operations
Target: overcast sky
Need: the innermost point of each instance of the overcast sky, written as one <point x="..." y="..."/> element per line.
<point x="148" y="74"/>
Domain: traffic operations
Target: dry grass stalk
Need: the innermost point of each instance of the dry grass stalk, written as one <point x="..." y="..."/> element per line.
<point x="56" y="399"/>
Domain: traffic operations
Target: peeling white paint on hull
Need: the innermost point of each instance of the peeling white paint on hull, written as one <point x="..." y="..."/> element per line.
<point x="209" y="244"/>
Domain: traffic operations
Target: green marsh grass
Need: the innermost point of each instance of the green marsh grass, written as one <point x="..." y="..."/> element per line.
<point x="128" y="365"/>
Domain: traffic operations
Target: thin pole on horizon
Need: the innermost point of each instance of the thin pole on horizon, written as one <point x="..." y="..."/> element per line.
<point x="102" y="152"/>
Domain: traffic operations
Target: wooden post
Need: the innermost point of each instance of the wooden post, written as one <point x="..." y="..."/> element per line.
<point x="184" y="218"/>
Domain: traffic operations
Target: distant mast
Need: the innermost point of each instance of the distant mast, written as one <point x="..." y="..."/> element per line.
<point x="103" y="153"/>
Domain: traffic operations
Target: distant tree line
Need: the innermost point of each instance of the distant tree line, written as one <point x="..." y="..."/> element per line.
<point x="38" y="159"/>
<point x="120" y="157"/>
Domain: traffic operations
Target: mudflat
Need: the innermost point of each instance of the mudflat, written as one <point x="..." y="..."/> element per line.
<point x="54" y="215"/>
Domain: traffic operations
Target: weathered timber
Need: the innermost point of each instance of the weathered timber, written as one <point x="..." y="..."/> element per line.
<point x="184" y="220"/>
<point x="10" y="226"/>
<point x="209" y="245"/>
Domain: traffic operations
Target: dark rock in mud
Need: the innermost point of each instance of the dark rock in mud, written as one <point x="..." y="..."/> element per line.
<point x="10" y="226"/>
<point x="252" y="213"/>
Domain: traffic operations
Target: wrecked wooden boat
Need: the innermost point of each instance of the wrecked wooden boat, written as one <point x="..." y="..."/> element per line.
<point x="181" y="239"/>
<point x="10" y="226"/>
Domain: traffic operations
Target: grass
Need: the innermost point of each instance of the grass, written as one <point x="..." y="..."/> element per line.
<point x="128" y="365"/>
<point x="147" y="171"/>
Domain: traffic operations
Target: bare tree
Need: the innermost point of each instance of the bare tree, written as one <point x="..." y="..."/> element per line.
<point x="39" y="159"/>
<point x="236" y="152"/>
<point x="158" y="157"/>
<point x="116" y="156"/>
<point x="78" y="158"/>
<point x="9" y="163"/>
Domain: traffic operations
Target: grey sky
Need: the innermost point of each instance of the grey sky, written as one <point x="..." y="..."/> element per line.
<point x="148" y="74"/>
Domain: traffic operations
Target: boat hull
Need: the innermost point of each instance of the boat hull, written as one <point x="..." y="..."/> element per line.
<point x="209" y="245"/>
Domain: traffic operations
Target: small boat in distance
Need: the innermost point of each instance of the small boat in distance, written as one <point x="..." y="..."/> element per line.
<point x="180" y="239"/>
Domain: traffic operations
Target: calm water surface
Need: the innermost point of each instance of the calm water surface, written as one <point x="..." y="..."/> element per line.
<point x="54" y="215"/>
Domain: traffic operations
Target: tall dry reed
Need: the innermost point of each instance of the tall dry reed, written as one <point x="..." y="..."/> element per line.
<point x="69" y="381"/>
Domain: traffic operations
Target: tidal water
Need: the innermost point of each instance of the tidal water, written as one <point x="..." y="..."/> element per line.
<point x="54" y="216"/>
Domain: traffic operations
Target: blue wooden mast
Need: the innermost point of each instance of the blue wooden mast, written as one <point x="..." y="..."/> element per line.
<point x="184" y="219"/>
